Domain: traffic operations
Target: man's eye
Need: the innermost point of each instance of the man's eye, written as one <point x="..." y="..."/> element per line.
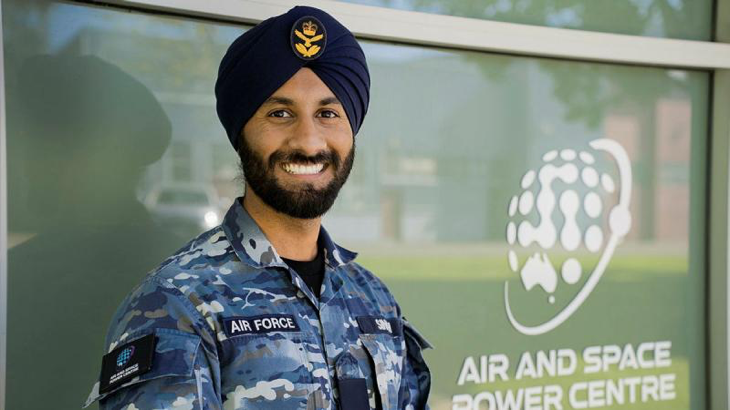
<point x="280" y="114"/>
<point x="329" y="114"/>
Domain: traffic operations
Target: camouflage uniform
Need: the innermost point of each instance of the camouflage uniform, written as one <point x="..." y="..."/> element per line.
<point x="203" y="360"/>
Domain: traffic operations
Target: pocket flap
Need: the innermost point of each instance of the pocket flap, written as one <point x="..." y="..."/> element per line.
<point x="174" y="355"/>
<point x="411" y="333"/>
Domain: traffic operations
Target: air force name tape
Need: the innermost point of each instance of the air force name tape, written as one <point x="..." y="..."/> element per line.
<point x="377" y="324"/>
<point x="238" y="325"/>
<point x="126" y="362"/>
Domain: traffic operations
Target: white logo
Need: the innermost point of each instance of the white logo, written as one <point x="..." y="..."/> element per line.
<point x="581" y="212"/>
<point x="383" y="325"/>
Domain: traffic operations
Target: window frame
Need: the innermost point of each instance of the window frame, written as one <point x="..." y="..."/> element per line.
<point x="426" y="29"/>
<point x="417" y="28"/>
<point x="718" y="244"/>
<point x="3" y="222"/>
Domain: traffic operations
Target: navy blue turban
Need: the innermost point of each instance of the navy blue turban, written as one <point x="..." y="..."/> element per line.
<point x="263" y="58"/>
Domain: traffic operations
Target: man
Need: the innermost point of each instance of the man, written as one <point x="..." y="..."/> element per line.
<point x="266" y="311"/>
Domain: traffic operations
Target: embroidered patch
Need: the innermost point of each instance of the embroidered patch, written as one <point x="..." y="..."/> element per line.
<point x="308" y="38"/>
<point x="239" y="325"/>
<point x="126" y="362"/>
<point x="379" y="324"/>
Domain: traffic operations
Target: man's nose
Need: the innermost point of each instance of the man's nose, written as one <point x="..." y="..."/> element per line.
<point x="308" y="138"/>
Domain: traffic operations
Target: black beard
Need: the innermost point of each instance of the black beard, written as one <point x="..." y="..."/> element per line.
<point x="306" y="203"/>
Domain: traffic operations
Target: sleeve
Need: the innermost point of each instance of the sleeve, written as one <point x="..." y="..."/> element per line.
<point x="178" y="368"/>
<point x="416" y="379"/>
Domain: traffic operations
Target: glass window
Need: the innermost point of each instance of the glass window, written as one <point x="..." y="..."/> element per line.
<point x="681" y="19"/>
<point x="538" y="219"/>
<point x="489" y="192"/>
<point x="115" y="161"/>
<point x="181" y="161"/>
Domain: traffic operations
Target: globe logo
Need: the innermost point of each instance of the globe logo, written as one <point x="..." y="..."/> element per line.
<point x="574" y="207"/>
<point x="124" y="356"/>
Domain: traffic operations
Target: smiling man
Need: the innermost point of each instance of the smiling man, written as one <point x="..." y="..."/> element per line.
<point x="266" y="311"/>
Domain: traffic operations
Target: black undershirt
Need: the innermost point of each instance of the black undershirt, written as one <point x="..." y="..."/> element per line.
<point x="312" y="272"/>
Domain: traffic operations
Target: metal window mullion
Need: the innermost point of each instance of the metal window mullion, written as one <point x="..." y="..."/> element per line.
<point x="3" y="222"/>
<point x="718" y="285"/>
<point x="718" y="288"/>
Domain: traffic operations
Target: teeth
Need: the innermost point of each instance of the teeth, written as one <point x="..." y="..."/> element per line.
<point x="302" y="169"/>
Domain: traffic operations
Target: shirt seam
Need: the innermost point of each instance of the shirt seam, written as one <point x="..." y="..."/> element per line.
<point x="204" y="237"/>
<point x="185" y="300"/>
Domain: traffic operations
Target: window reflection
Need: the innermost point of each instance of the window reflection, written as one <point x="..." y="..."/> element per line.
<point x="82" y="133"/>
<point x="115" y="161"/>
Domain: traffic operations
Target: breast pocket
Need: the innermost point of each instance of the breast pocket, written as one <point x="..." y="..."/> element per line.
<point x="386" y="353"/>
<point x="270" y="371"/>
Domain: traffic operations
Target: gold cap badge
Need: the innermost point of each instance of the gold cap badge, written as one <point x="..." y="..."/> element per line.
<point x="308" y="38"/>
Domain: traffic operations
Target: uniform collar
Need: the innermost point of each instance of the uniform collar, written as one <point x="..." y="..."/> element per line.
<point x="253" y="248"/>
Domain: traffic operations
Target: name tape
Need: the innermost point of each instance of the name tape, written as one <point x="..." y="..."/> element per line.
<point x="379" y="324"/>
<point x="240" y="325"/>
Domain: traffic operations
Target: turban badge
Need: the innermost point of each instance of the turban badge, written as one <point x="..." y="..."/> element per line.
<point x="308" y="38"/>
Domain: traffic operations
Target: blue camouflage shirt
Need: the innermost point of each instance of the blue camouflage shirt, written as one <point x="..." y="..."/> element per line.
<point x="235" y="328"/>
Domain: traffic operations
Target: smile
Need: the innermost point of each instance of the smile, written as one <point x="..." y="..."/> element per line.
<point x="297" y="169"/>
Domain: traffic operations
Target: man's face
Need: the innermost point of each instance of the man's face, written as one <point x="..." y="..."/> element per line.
<point x="297" y="150"/>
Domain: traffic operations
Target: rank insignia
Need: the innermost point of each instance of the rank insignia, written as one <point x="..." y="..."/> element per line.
<point x="308" y="38"/>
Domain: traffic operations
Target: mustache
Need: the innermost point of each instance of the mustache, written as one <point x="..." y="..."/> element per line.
<point x="326" y="157"/>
